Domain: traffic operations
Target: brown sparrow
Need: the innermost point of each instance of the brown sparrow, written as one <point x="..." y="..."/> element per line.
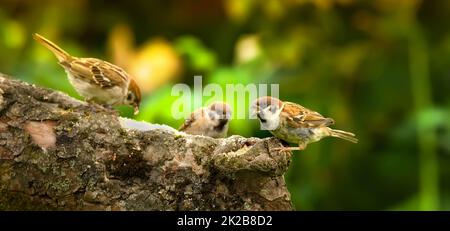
<point x="209" y="121"/>
<point x="294" y="123"/>
<point x="96" y="80"/>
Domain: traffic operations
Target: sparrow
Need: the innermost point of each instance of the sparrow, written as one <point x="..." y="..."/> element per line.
<point x="209" y="121"/>
<point x="294" y="123"/>
<point x="96" y="80"/>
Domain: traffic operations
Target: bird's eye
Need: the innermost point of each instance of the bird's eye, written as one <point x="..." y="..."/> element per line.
<point x="129" y="97"/>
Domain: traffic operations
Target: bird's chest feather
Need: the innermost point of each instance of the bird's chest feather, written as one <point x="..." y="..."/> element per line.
<point x="296" y="135"/>
<point x="111" y="96"/>
<point x="293" y="135"/>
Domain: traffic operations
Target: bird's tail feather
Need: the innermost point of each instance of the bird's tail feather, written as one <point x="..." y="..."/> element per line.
<point x="344" y="135"/>
<point x="59" y="53"/>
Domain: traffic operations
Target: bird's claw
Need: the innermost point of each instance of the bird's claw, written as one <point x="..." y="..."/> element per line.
<point x="280" y="149"/>
<point x="98" y="108"/>
<point x="288" y="149"/>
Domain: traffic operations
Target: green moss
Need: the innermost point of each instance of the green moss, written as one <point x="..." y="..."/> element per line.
<point x="19" y="201"/>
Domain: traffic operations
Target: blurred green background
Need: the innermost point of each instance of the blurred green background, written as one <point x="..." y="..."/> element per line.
<point x="380" y="68"/>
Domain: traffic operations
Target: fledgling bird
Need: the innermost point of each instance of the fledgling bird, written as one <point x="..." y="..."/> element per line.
<point x="96" y="80"/>
<point x="209" y="121"/>
<point x="294" y="123"/>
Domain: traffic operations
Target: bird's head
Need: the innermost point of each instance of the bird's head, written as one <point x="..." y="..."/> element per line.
<point x="267" y="109"/>
<point x="219" y="114"/>
<point x="133" y="97"/>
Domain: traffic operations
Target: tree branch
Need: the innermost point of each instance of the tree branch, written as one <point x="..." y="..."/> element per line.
<point x="58" y="153"/>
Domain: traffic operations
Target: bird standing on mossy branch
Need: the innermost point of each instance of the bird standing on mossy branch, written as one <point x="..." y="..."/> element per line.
<point x="96" y="80"/>
<point x="294" y="123"/>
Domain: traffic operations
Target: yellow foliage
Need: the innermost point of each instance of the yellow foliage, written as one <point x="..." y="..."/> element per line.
<point x="247" y="48"/>
<point x="238" y="10"/>
<point x="152" y="65"/>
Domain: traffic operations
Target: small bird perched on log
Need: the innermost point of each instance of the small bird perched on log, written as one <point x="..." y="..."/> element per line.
<point x="96" y="80"/>
<point x="209" y="121"/>
<point x="294" y="123"/>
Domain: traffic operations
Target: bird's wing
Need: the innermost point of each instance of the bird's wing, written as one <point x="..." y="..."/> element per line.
<point x="302" y="117"/>
<point x="189" y="121"/>
<point x="102" y="73"/>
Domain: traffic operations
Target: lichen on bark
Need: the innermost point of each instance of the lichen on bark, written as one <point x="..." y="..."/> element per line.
<point x="97" y="164"/>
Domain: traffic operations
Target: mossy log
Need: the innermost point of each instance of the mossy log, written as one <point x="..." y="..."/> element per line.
<point x="58" y="153"/>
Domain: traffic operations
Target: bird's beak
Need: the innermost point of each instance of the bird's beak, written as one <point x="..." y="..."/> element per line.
<point x="136" y="109"/>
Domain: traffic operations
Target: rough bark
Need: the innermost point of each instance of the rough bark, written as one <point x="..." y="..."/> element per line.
<point x="58" y="153"/>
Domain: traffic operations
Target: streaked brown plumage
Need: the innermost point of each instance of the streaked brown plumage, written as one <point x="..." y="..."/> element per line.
<point x="96" y="80"/>
<point x="294" y="123"/>
<point x="209" y="121"/>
